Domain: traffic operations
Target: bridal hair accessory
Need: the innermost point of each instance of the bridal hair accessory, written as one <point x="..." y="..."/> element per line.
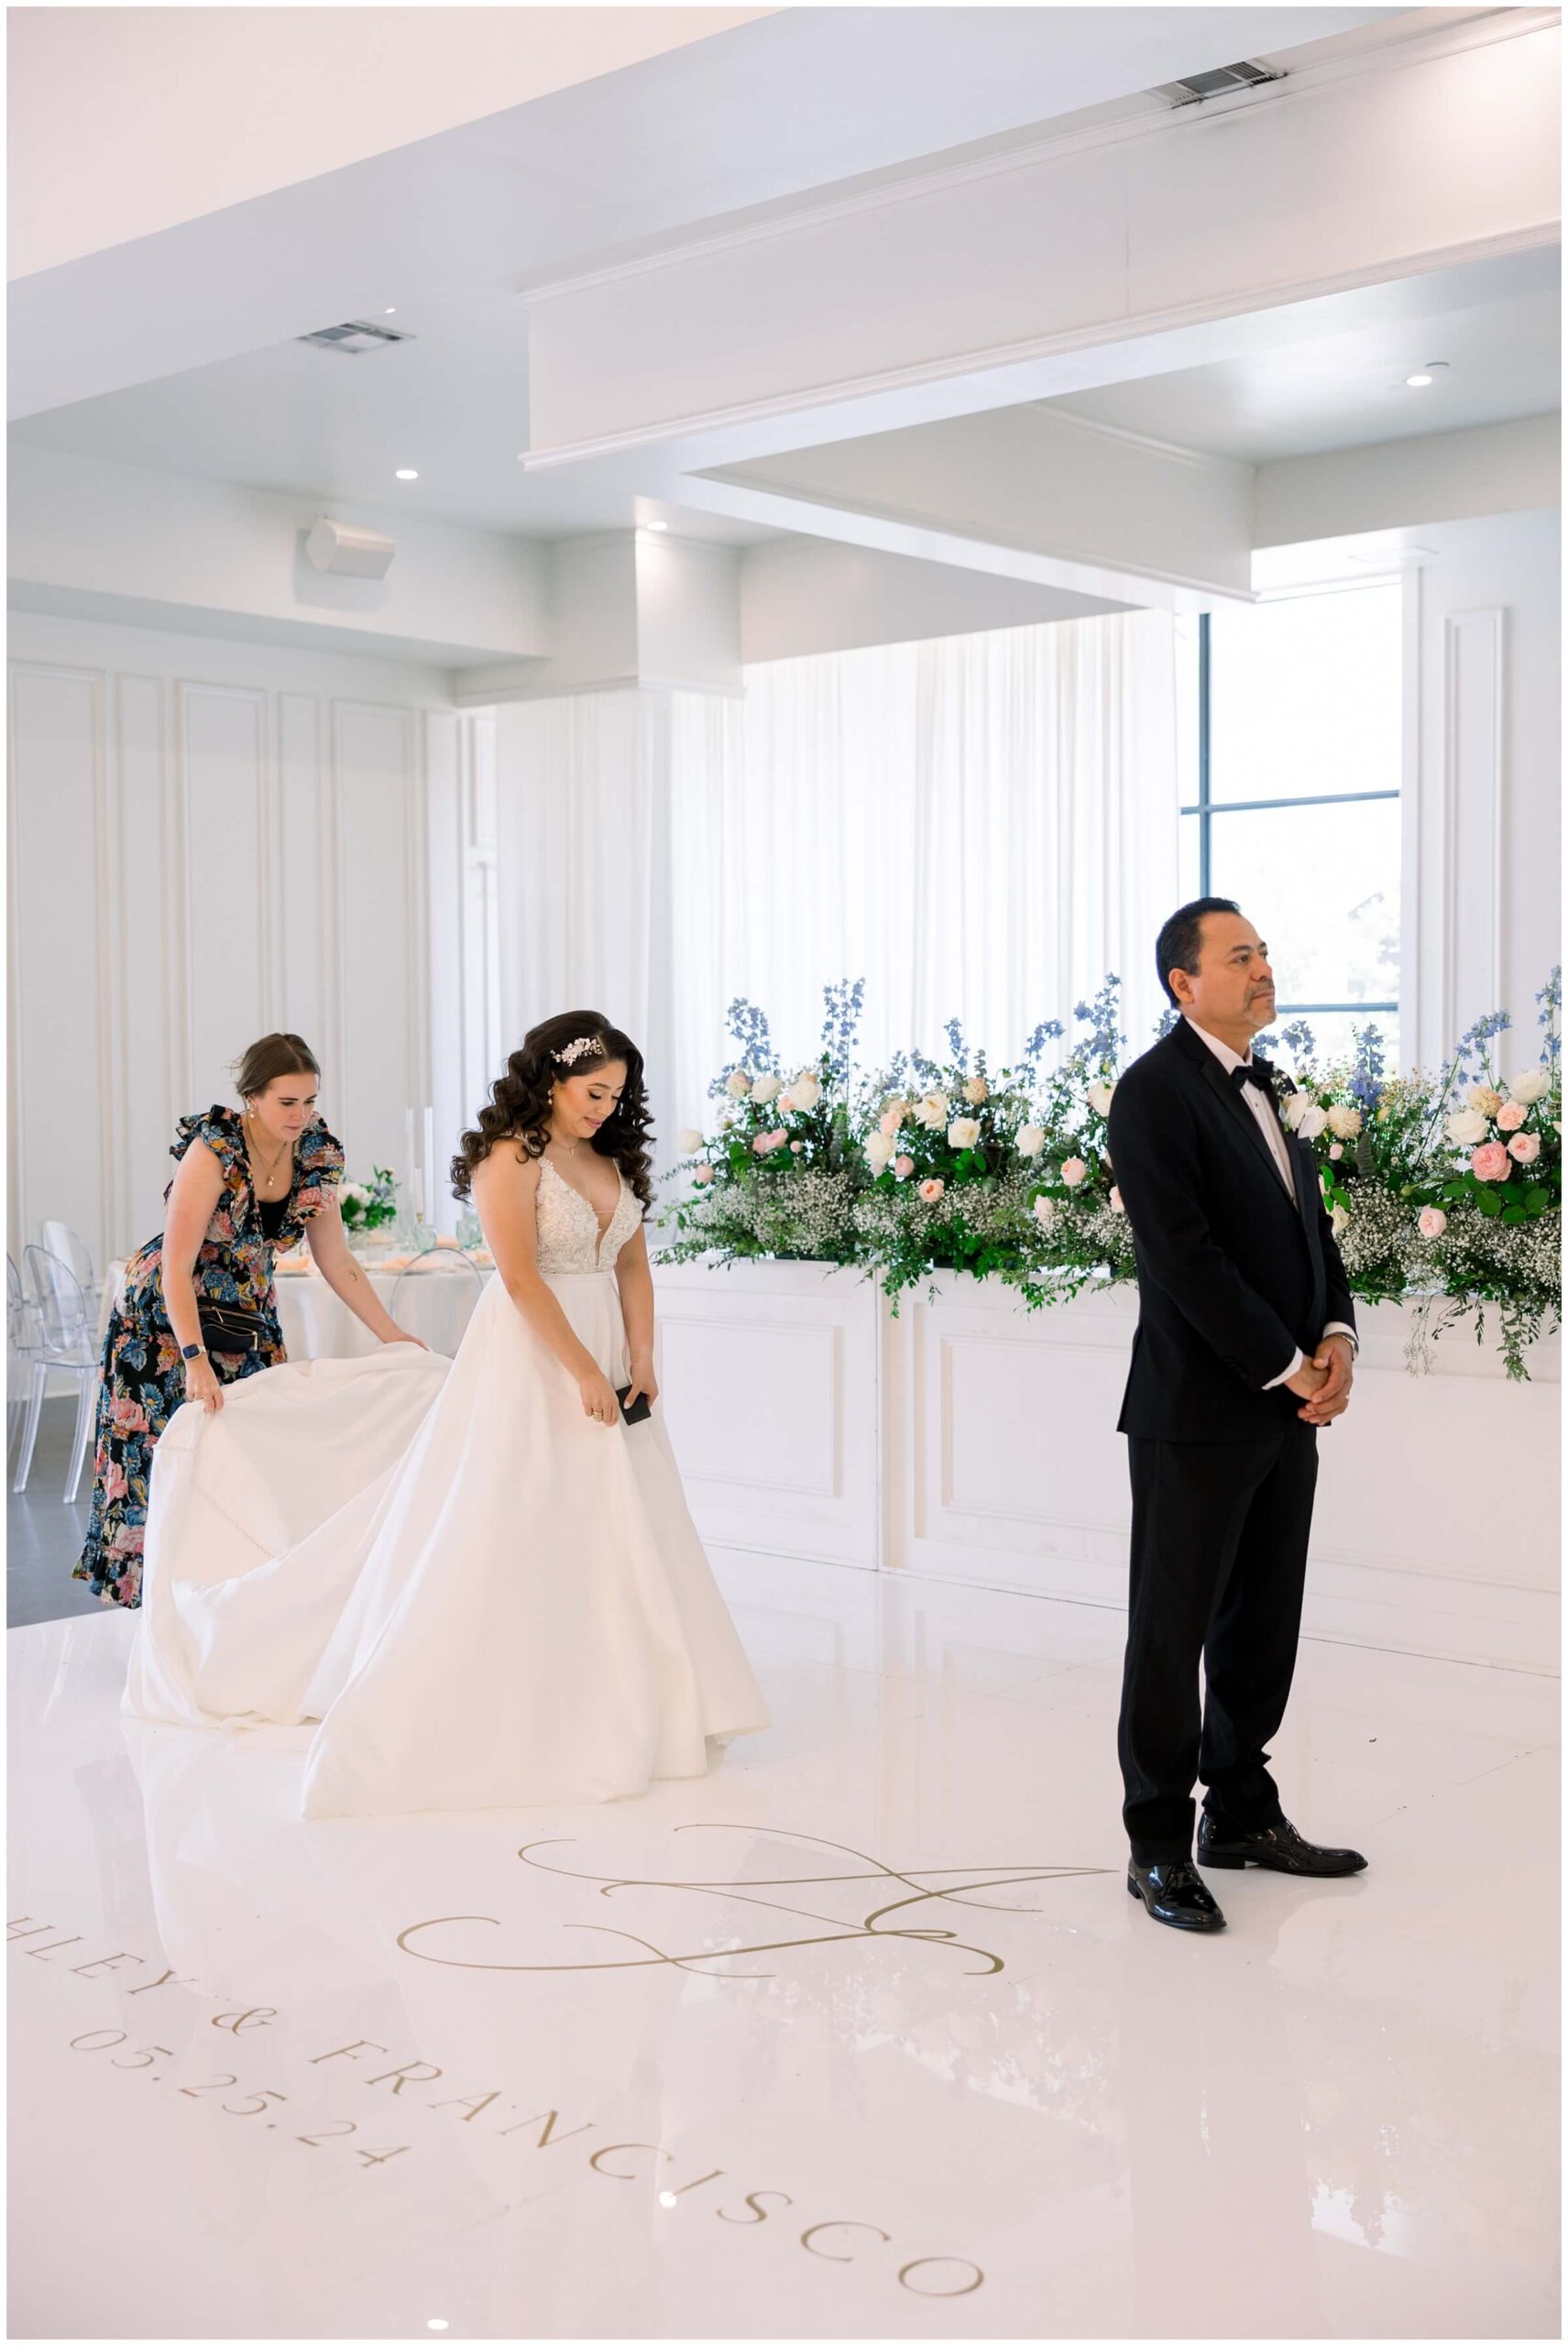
<point x="584" y="1044"/>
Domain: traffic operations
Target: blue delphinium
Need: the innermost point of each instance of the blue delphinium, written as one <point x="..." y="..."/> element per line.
<point x="1368" y="1075"/>
<point x="1550" y="1000"/>
<point x="1103" y="1044"/>
<point x="841" y="1025"/>
<point x="748" y="1025"/>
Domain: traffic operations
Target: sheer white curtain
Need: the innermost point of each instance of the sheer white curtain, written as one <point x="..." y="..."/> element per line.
<point x="981" y="827"/>
<point x="582" y="858"/>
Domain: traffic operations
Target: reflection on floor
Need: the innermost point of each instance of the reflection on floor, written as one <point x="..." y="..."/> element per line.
<point x="859" y="2037"/>
<point x="43" y="1536"/>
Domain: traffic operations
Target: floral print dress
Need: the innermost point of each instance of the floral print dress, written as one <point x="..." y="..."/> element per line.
<point x="143" y="1376"/>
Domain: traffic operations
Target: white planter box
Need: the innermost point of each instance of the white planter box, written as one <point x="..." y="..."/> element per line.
<point x="973" y="1440"/>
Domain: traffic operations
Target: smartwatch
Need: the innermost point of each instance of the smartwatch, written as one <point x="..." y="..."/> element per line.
<point x="191" y="1352"/>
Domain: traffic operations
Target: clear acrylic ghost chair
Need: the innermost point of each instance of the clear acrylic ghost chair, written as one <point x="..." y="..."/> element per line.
<point x="436" y="1261"/>
<point x="21" y="1343"/>
<point x="61" y="1241"/>
<point x="66" y="1347"/>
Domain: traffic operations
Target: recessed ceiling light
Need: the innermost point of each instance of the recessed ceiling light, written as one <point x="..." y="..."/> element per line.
<point x="655" y="525"/>
<point x="406" y="472"/>
<point x="388" y="313"/>
<point x="1416" y="382"/>
<point x="1425" y="376"/>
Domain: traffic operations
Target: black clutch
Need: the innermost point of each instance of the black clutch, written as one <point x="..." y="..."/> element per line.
<point x="224" y="1329"/>
<point x="640" y="1408"/>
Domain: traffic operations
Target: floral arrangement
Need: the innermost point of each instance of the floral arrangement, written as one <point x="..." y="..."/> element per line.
<point x="369" y="1205"/>
<point x="1446" y="1191"/>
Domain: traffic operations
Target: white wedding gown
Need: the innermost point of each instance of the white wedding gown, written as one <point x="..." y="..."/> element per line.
<point x="485" y="1598"/>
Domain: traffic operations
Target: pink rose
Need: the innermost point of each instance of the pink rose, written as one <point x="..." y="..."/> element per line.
<point x="1524" y="1149"/>
<point x="1511" y="1115"/>
<point x="890" y="1122"/>
<point x="703" y="1176"/>
<point x="931" y="1191"/>
<point x="1433" y="1222"/>
<point x="903" y="1166"/>
<point x="798" y="1147"/>
<point x="1490" y="1161"/>
<point x="1116" y="1205"/>
<point x="1073" y="1171"/>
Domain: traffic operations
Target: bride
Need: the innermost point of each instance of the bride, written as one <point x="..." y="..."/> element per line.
<point x="479" y="1577"/>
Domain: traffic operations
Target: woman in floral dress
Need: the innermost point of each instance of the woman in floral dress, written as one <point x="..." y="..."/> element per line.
<point x="248" y="1183"/>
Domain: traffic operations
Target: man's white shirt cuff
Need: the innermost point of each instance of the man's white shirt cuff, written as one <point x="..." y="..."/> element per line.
<point x="1334" y="1328"/>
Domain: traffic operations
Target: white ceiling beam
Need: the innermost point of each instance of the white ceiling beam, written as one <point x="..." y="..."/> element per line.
<point x="941" y="294"/>
<point x="1514" y="467"/>
<point x="1043" y="483"/>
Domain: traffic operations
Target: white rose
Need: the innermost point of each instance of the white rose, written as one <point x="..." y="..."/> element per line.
<point x="738" y="1085"/>
<point x="1045" y="1210"/>
<point x="893" y="1116"/>
<point x="805" y="1091"/>
<point x="1030" y="1140"/>
<point x="1293" y="1108"/>
<point x="1468" y="1127"/>
<point x="977" y="1090"/>
<point x="766" y="1087"/>
<point x="963" y="1131"/>
<point x="1345" y="1123"/>
<point x="880" y="1152"/>
<point x="354" y="1193"/>
<point x="1341" y="1220"/>
<point x="1100" y="1098"/>
<point x="1116" y="1205"/>
<point x="1311" y="1121"/>
<point x="787" y="1104"/>
<point x="688" y="1141"/>
<point x="1533" y="1085"/>
<point x="932" y="1111"/>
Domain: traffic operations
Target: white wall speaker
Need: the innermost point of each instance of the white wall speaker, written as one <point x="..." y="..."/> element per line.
<point x="350" y="553"/>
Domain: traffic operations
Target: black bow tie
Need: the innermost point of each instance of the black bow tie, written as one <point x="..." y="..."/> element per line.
<point x="1258" y="1071"/>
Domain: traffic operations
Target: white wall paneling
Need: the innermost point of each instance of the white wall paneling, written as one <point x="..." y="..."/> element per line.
<point x="1482" y="780"/>
<point x="770" y="1378"/>
<point x="1001" y="1465"/>
<point x="208" y="841"/>
<point x="1473" y="809"/>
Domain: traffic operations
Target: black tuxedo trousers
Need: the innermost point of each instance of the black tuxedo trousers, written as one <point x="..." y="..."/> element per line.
<point x="1219" y="1563"/>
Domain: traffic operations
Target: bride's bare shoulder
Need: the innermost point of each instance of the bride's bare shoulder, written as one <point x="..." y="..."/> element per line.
<point x="507" y="1174"/>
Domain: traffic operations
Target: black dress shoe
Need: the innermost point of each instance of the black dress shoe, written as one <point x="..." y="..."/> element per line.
<point x="1278" y="1847"/>
<point x="1175" y="1893"/>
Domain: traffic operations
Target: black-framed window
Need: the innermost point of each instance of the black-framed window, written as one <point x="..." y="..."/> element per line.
<point x="1290" y="795"/>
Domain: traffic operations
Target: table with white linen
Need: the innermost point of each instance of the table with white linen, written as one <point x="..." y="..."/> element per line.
<point x="436" y="1305"/>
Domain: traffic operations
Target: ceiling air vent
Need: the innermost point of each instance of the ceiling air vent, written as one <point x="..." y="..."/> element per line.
<point x="1213" y="84"/>
<point x="354" y="338"/>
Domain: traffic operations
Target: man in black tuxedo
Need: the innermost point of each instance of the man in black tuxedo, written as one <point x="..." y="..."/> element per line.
<point x="1244" y="1347"/>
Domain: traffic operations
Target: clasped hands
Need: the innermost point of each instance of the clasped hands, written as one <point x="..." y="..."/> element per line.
<point x="1322" y="1383"/>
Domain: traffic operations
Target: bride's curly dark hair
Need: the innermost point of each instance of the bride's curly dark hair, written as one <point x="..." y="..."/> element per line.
<point x="519" y="1105"/>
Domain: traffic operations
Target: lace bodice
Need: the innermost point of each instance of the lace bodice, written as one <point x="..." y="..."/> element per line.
<point x="568" y="1228"/>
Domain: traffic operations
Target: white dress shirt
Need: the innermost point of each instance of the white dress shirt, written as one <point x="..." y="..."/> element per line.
<point x="1273" y="1131"/>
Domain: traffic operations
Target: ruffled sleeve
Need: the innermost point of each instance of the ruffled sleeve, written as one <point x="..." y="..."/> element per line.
<point x="218" y="1129"/>
<point x="319" y="1159"/>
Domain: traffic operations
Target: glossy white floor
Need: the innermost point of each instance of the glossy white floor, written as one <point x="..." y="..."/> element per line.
<point x="859" y="2037"/>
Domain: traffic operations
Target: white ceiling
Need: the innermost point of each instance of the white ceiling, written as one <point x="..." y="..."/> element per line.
<point x="791" y="101"/>
<point x="1502" y="360"/>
